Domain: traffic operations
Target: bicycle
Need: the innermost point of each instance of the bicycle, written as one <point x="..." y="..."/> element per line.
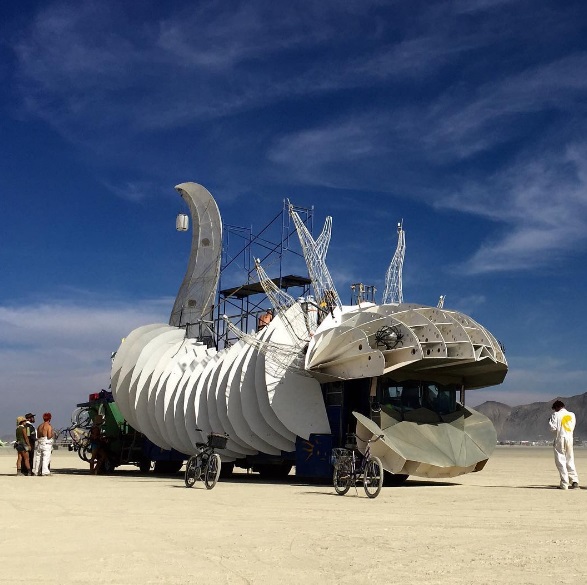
<point x="205" y="464"/>
<point x="350" y="467"/>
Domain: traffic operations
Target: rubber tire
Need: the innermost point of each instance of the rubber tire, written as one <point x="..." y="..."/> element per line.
<point x="274" y="470"/>
<point x="373" y="477"/>
<point x="191" y="471"/>
<point x="107" y="467"/>
<point x="394" y="479"/>
<point x="212" y="472"/>
<point x="145" y="465"/>
<point x="341" y="478"/>
<point x="167" y="467"/>
<point x="85" y="453"/>
<point x="226" y="470"/>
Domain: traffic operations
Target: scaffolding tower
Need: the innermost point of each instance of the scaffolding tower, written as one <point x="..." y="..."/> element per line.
<point x="244" y="303"/>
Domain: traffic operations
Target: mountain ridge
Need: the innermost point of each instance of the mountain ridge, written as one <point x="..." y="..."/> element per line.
<point x="529" y="422"/>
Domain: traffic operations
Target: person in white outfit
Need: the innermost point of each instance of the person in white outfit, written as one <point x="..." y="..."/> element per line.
<point x="562" y="422"/>
<point x="43" y="447"/>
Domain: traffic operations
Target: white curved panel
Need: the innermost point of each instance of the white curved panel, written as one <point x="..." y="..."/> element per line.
<point x="169" y="389"/>
<point x="187" y="388"/>
<point x="159" y="401"/>
<point x="234" y="406"/>
<point x="175" y="414"/>
<point x="221" y="402"/>
<point x="213" y="418"/>
<point x="295" y="397"/>
<point x="123" y="350"/>
<point x="263" y="398"/>
<point x="163" y="335"/>
<point x="198" y="405"/>
<point x="252" y="411"/>
<point x="159" y="373"/>
<point x="169" y="398"/>
<point x="154" y="351"/>
<point x="202" y="417"/>
<point x="129" y="362"/>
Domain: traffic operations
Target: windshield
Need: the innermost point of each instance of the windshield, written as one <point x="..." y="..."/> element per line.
<point x="413" y="394"/>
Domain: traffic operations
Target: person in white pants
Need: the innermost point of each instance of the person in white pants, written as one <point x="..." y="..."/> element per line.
<point x="562" y="422"/>
<point x="43" y="447"/>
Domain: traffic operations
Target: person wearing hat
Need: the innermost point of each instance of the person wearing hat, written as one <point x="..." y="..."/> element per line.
<point x="23" y="447"/>
<point x="32" y="434"/>
<point x="562" y="422"/>
<point x="44" y="447"/>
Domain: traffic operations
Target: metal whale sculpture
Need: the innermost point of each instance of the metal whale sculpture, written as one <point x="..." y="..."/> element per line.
<point x="269" y="388"/>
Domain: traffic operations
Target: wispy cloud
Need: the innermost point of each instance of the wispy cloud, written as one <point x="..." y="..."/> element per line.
<point x="542" y="200"/>
<point x="96" y="79"/>
<point x="53" y="354"/>
<point x="541" y="377"/>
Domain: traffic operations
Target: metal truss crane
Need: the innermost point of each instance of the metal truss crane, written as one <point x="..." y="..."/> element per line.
<point x="393" y="292"/>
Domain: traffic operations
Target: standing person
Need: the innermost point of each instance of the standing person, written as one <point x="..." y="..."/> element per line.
<point x="99" y="455"/>
<point x="32" y="434"/>
<point x="562" y="422"/>
<point x="23" y="447"/>
<point x="44" y="447"/>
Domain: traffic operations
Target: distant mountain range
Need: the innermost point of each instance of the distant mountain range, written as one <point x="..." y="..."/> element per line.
<point x="529" y="422"/>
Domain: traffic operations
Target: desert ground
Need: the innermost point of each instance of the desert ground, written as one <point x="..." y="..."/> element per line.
<point x="506" y="524"/>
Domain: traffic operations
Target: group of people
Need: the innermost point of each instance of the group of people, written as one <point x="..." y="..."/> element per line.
<point x="33" y="445"/>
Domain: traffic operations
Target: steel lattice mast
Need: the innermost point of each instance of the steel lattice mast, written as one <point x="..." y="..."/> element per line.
<point x="393" y="292"/>
<point x="315" y="255"/>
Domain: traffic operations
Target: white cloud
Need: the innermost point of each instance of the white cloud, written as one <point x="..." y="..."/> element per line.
<point x="542" y="201"/>
<point x="53" y="355"/>
<point x="532" y="379"/>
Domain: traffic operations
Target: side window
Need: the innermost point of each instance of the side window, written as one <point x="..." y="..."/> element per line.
<point x="402" y="397"/>
<point x="389" y="394"/>
<point x="439" y="399"/>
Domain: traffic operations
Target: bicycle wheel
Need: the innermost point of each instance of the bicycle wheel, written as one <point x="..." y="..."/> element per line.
<point x="83" y="418"/>
<point x="342" y="478"/>
<point x="373" y="477"/>
<point x="191" y="471"/>
<point x="84" y="452"/>
<point x="212" y="470"/>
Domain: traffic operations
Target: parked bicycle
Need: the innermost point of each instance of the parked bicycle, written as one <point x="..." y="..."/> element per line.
<point x="352" y="467"/>
<point x="205" y="464"/>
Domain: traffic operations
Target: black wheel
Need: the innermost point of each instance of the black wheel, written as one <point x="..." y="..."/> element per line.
<point x="342" y="478"/>
<point x="212" y="472"/>
<point x="394" y="479"/>
<point x="373" y="477"/>
<point x="108" y="466"/>
<point x="192" y="471"/>
<point x="85" y="453"/>
<point x="145" y="465"/>
<point x="226" y="470"/>
<point x="83" y="418"/>
<point x="167" y="467"/>
<point x="274" y="470"/>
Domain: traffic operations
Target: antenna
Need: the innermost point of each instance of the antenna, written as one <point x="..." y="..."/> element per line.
<point x="441" y="302"/>
<point x="393" y="292"/>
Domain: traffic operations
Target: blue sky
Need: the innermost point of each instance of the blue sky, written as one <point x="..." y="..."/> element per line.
<point x="464" y="118"/>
